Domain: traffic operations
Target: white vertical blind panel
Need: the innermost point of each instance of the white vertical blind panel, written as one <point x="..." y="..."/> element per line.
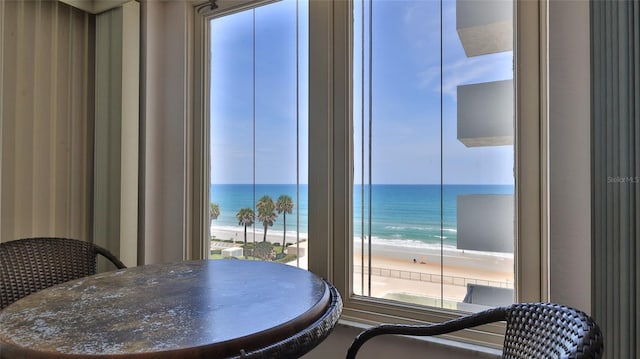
<point x="47" y="115"/>
<point x="115" y="190"/>
<point x="130" y="132"/>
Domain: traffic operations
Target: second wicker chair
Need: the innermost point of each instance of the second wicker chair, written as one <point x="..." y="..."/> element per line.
<point x="32" y="264"/>
<point x="534" y="330"/>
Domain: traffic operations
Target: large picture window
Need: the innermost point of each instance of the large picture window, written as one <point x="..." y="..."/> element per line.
<point x="258" y="132"/>
<point x="401" y="139"/>
<point x="433" y="124"/>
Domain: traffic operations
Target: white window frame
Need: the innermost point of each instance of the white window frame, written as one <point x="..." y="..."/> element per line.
<point x="331" y="162"/>
<point x="331" y="148"/>
<point x="198" y="168"/>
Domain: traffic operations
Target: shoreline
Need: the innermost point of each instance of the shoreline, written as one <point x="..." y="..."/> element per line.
<point x="238" y="235"/>
<point x="394" y="273"/>
<point x="397" y="257"/>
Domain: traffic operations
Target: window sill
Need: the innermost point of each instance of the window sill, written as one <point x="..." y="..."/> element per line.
<point x="448" y="347"/>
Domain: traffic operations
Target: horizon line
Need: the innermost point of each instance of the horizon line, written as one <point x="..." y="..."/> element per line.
<point x="377" y="184"/>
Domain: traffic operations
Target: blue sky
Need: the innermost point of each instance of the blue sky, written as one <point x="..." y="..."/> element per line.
<point x="406" y="97"/>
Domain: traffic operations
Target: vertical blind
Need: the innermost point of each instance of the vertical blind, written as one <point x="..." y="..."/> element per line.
<point x="46" y="116"/>
<point x="615" y="39"/>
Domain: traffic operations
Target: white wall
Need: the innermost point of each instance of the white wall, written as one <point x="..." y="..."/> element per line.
<point x="569" y="154"/>
<point x="165" y="48"/>
<point x="115" y="191"/>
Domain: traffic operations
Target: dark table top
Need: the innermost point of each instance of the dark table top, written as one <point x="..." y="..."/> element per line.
<point x="215" y="309"/>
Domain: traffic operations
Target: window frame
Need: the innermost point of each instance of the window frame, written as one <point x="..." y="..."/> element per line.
<point x="331" y="149"/>
<point x="198" y="168"/>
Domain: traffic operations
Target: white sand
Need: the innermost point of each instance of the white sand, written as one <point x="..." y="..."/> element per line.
<point x="394" y="270"/>
<point x="272" y="236"/>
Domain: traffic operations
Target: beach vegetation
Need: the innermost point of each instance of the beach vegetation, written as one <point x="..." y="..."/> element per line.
<point x="284" y="205"/>
<point x="214" y="239"/>
<point x="214" y="211"/>
<point x="266" y="213"/>
<point x="264" y="251"/>
<point x="245" y="217"/>
<point x="287" y="258"/>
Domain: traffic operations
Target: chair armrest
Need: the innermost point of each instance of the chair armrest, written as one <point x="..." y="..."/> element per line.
<point x="469" y="321"/>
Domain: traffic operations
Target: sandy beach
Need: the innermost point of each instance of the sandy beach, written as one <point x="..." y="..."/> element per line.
<point x="395" y="274"/>
<point x="238" y="235"/>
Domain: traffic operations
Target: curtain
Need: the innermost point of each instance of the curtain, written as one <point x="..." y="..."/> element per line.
<point x="615" y="39"/>
<point x="46" y="120"/>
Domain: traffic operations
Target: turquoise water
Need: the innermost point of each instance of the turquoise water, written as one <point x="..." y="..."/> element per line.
<point x="401" y="214"/>
<point x="232" y="197"/>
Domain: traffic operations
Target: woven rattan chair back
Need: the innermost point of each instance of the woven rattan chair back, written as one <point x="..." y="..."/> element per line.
<point x="547" y="330"/>
<point x="534" y="330"/>
<point x="32" y="264"/>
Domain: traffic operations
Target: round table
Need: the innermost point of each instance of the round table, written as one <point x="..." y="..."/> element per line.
<point x="193" y="309"/>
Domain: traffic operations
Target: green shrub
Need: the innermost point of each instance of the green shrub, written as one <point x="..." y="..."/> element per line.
<point x="288" y="258"/>
<point x="264" y="251"/>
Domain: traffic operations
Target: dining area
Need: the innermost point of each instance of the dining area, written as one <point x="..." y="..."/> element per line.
<point x="228" y="308"/>
<point x="106" y="143"/>
<point x="188" y="309"/>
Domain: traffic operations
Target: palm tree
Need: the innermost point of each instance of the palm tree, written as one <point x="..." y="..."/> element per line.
<point x="214" y="212"/>
<point x="245" y="218"/>
<point x="284" y="205"/>
<point x="266" y="213"/>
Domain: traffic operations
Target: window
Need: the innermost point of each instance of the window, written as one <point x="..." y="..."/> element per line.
<point x="336" y="181"/>
<point x="258" y="128"/>
<point x="333" y="103"/>
<point x="433" y="152"/>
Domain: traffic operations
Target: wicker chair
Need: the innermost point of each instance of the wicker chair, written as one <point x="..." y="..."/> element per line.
<point x="32" y="264"/>
<point x="534" y="330"/>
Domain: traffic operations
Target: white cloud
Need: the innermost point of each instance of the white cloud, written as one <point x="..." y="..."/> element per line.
<point x="466" y="71"/>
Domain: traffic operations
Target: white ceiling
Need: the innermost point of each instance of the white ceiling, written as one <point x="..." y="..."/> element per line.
<point x="95" y="6"/>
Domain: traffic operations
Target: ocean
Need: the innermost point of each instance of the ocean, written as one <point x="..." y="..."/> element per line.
<point x="402" y="215"/>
